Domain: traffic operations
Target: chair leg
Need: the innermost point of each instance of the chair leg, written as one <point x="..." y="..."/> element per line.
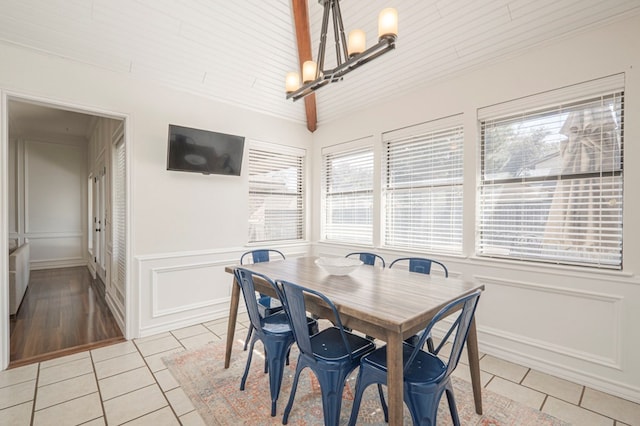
<point x="430" y="344"/>
<point x="423" y="407"/>
<point x="361" y="386"/>
<point x="292" y="395"/>
<point x="385" y="409"/>
<point x="331" y="387"/>
<point x="249" y="334"/>
<point x="452" y="405"/>
<point x="276" y="371"/>
<point x="246" y="368"/>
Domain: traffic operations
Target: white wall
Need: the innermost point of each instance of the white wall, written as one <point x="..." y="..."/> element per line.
<point x="48" y="200"/>
<point x="188" y="224"/>
<point x="576" y="323"/>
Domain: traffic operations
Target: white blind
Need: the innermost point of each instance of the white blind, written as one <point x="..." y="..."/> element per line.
<point x="347" y="183"/>
<point x="276" y="193"/>
<point x="423" y="186"/>
<point x="551" y="178"/>
<point x="119" y="219"/>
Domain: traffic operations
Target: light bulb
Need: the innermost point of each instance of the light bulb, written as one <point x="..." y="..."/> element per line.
<point x="388" y="23"/>
<point x="357" y="42"/>
<point x="308" y="71"/>
<point x="292" y="82"/>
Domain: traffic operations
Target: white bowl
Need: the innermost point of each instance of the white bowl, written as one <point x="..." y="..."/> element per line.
<point x="338" y="265"/>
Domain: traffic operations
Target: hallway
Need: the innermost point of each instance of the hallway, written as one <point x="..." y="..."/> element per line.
<point x="63" y="312"/>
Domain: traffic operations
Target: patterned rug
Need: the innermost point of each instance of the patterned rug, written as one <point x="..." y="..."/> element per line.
<point x="215" y="392"/>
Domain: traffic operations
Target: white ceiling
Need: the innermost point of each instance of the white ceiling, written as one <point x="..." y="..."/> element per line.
<point x="239" y="51"/>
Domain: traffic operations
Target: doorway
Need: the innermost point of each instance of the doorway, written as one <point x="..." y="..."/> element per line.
<point x="44" y="137"/>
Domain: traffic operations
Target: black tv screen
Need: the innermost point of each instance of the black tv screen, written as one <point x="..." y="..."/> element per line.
<point x="203" y="151"/>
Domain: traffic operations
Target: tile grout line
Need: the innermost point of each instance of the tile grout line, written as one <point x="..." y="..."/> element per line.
<point x="95" y="375"/>
<point x="62" y="402"/>
<point x="547" y="396"/>
<point x="35" y="395"/>
<point x="155" y="379"/>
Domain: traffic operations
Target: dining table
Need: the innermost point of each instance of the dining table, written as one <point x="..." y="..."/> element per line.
<point x="388" y="304"/>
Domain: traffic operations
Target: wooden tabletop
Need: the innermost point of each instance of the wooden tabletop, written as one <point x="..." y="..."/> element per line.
<point x="390" y="299"/>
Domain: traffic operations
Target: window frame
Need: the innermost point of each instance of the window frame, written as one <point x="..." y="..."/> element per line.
<point x="277" y="155"/>
<point x="543" y="243"/>
<point x="354" y="195"/>
<point x="436" y="190"/>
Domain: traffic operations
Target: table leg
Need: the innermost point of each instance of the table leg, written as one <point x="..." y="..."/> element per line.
<point x="395" y="378"/>
<point x="474" y="365"/>
<point x="231" y="325"/>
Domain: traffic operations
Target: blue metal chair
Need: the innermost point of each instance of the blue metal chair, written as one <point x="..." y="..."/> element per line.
<point x="420" y="265"/>
<point x="426" y="376"/>
<point x="368" y="258"/>
<point x="274" y="331"/>
<point x="332" y="354"/>
<point x="267" y="305"/>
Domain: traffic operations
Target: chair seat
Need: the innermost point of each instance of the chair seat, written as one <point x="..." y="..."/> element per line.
<point x="425" y="368"/>
<point x="327" y="345"/>
<point x="268" y="305"/>
<point x="277" y="323"/>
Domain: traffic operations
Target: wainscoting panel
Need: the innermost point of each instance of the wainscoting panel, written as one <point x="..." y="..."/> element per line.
<point x="181" y="289"/>
<point x="554" y="318"/>
<point x="186" y="287"/>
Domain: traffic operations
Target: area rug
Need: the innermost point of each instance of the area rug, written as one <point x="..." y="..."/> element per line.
<point x="215" y="392"/>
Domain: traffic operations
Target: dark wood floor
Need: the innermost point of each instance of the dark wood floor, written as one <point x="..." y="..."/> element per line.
<point x="63" y="312"/>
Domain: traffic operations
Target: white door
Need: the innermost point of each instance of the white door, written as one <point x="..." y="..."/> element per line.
<point x="99" y="221"/>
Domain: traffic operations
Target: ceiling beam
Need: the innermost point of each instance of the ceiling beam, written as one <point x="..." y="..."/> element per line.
<point x="303" y="38"/>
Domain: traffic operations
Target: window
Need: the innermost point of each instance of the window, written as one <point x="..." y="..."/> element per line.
<point x="347" y="183"/>
<point x="276" y="196"/>
<point x="423" y="186"/>
<point x="551" y="176"/>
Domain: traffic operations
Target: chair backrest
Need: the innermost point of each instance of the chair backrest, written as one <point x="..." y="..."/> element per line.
<point x="294" y="305"/>
<point x="244" y="277"/>
<point x="461" y="313"/>
<point x="421" y="264"/>
<point x="260" y="255"/>
<point x="368" y="258"/>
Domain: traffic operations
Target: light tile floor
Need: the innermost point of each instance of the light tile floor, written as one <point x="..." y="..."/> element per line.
<point x="127" y="383"/>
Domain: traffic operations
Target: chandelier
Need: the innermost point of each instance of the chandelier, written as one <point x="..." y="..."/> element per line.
<point x="351" y="53"/>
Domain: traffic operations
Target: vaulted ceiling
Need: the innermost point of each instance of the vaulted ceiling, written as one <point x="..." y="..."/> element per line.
<point x="238" y="52"/>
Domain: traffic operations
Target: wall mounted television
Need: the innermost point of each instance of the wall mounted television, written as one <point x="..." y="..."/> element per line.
<point x="204" y="151"/>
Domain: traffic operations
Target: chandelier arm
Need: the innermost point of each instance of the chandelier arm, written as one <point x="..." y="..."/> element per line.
<point x="383" y="46"/>
<point x="338" y="33"/>
<point x="357" y="61"/>
<point x="307" y="89"/>
<point x="323" y="38"/>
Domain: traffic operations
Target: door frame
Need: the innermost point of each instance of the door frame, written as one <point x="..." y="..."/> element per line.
<point x="98" y="204"/>
<point x="131" y="312"/>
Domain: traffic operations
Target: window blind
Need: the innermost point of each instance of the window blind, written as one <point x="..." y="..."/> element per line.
<point x="347" y="182"/>
<point x="276" y="193"/>
<point x="552" y="177"/>
<point x="120" y="220"/>
<point x="423" y="176"/>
